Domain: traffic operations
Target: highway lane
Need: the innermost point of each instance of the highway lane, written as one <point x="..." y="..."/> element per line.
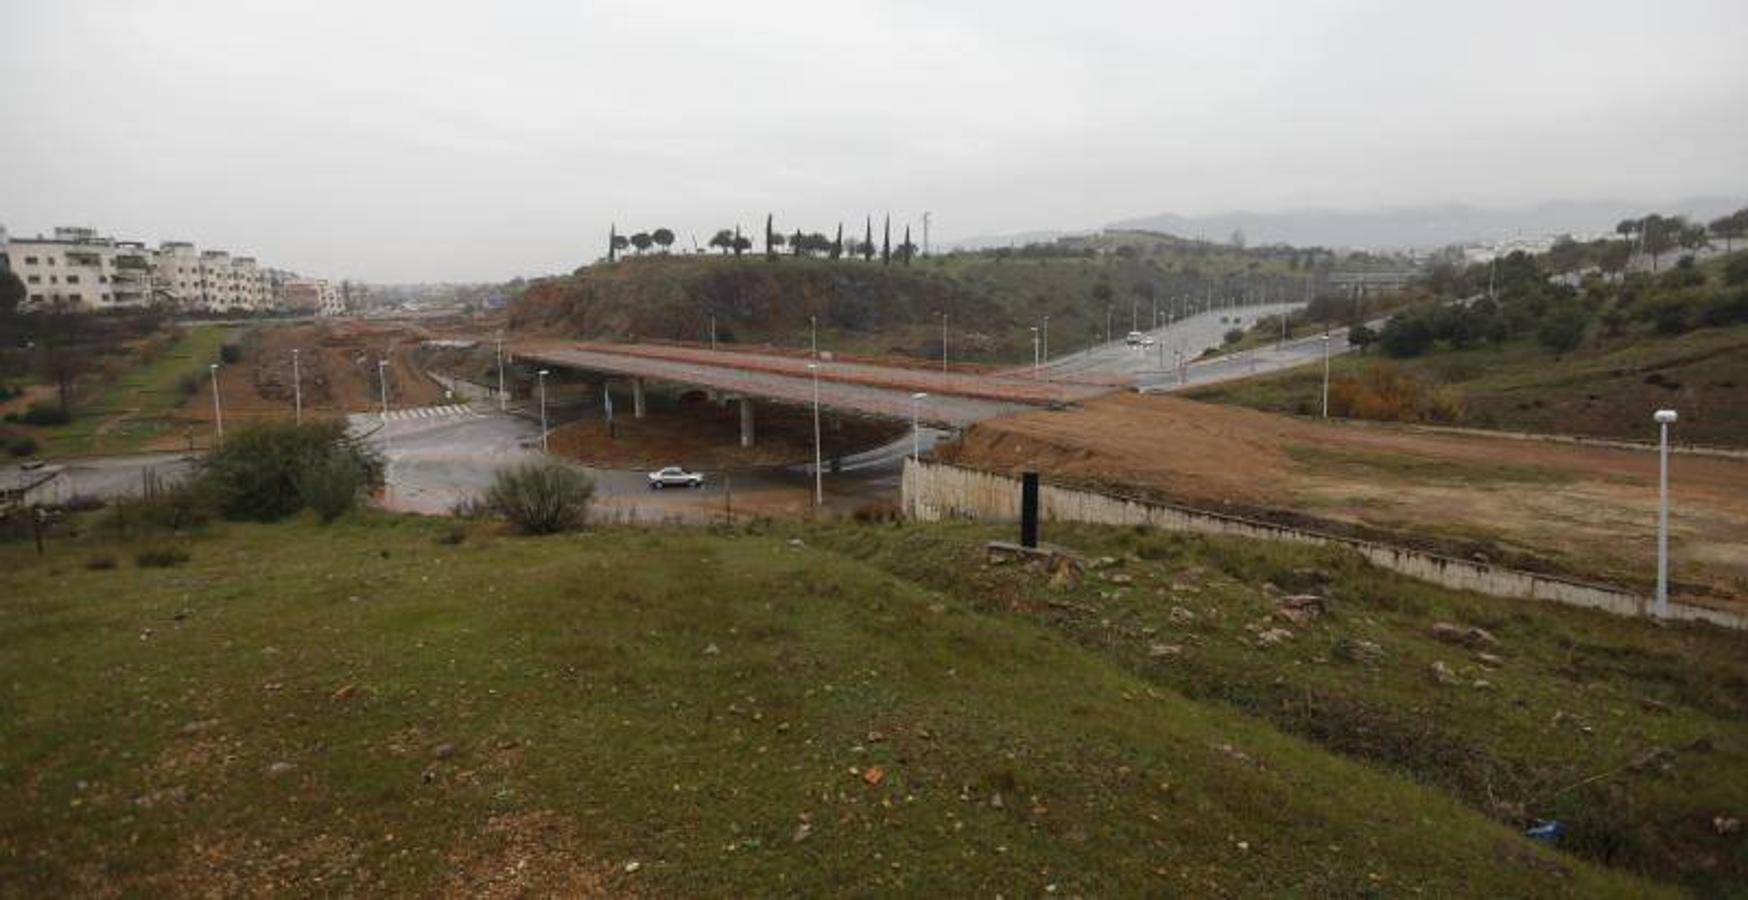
<point x="940" y="408"/>
<point x="1117" y="362"/>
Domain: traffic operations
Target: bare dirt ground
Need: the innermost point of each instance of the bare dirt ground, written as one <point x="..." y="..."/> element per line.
<point x="704" y="435"/>
<point x="1587" y="511"/>
<point x="337" y="361"/>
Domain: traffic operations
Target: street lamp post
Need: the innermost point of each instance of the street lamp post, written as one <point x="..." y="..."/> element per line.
<point x="218" y="411"/>
<point x="818" y="462"/>
<point x="382" y="384"/>
<point x="296" y="387"/>
<point x="1046" y="337"/>
<point x="542" y="379"/>
<point x="813" y="330"/>
<point x="501" y="400"/>
<point x="1325" y="374"/>
<point x="1034" y="353"/>
<point x="1664" y="418"/>
<point x="916" y="433"/>
<point x="943" y="343"/>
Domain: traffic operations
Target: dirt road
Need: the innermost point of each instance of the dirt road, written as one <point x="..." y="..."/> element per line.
<point x="1584" y="510"/>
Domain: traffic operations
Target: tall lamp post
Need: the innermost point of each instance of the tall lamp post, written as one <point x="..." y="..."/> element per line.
<point x="297" y="386"/>
<point x="818" y="477"/>
<point x="1046" y="337"/>
<point x="542" y="378"/>
<point x="916" y="432"/>
<point x="943" y="343"/>
<point x="382" y="383"/>
<point x="218" y="411"/>
<point x="1034" y="353"/>
<point x="1326" y="374"/>
<point x="1664" y="418"/>
<point x="501" y="400"/>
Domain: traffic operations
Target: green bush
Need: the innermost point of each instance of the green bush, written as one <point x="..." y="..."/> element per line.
<point x="259" y="471"/>
<point x="187" y="505"/>
<point x="330" y="486"/>
<point x="542" y="497"/>
<point x="1736" y="270"/>
<point x="45" y="412"/>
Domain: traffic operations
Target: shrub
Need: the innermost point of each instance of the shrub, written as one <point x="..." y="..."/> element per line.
<point x="1233" y="336"/>
<point x="230" y="354"/>
<point x="46" y="412"/>
<point x="1736" y="270"/>
<point x="1389" y="393"/>
<point x="256" y="474"/>
<point x="542" y="497"/>
<point x="100" y="563"/>
<point x="161" y="558"/>
<point x="188" y="384"/>
<point x="187" y="505"/>
<point x="22" y="445"/>
<point x="330" y="485"/>
<point x="1562" y="331"/>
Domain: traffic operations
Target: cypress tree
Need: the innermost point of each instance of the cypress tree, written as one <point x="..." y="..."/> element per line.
<point x="886" y="242"/>
<point x="737" y="242"/>
<point x="868" y="242"/>
<point x="795" y="244"/>
<point x="612" y="242"/>
<point x="838" y="245"/>
<point x="770" y="251"/>
<point x="905" y="250"/>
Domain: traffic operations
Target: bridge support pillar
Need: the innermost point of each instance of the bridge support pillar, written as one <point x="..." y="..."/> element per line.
<point x="746" y="421"/>
<point x="637" y="398"/>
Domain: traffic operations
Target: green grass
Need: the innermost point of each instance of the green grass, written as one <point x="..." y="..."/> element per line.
<point x="1604" y="390"/>
<point x="146" y="394"/>
<point x="372" y="707"/>
<point x="1635" y="737"/>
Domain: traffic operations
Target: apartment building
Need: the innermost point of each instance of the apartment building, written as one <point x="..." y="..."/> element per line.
<point x="316" y="295"/>
<point x="79" y="269"/>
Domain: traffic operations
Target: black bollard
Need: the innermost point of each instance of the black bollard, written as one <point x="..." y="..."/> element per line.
<point x="1029" y="510"/>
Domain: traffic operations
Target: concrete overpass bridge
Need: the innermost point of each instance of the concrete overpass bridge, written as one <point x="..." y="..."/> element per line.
<point x="955" y="398"/>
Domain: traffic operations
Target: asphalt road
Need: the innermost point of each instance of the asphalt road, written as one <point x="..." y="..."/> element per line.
<point x="1118" y="362"/>
<point x="437" y="460"/>
<point x="941" y="407"/>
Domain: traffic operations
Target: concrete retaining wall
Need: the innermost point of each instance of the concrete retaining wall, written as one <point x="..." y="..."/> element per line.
<point x="933" y="492"/>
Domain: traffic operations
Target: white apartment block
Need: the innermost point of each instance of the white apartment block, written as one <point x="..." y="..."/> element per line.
<point x="78" y="269"/>
<point x="316" y="295"/>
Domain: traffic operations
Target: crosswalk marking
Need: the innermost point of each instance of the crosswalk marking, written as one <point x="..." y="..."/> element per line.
<point x="451" y="410"/>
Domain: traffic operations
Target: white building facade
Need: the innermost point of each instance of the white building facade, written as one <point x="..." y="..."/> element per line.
<point x="78" y="269"/>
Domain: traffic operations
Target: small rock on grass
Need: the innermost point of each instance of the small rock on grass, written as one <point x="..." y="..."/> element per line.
<point x="1273" y="636"/>
<point x="1468" y="637"/>
<point x="1441" y="673"/>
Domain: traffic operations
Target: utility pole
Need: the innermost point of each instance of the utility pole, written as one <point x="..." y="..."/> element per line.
<point x="218" y="411"/>
<point x="542" y="375"/>
<point x="1664" y="418"/>
<point x="1326" y="373"/>
<point x="297" y="386"/>
<point x="818" y="462"/>
<point x="1034" y="353"/>
<point x="501" y="399"/>
<point x="926" y="217"/>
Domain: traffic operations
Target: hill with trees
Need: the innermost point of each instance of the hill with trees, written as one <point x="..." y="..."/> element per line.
<point x="874" y="291"/>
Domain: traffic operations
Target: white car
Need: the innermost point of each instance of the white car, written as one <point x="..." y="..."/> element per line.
<point x="1134" y="338"/>
<point x="674" y="476"/>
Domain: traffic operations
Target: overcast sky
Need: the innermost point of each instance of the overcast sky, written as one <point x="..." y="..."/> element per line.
<point x="399" y="141"/>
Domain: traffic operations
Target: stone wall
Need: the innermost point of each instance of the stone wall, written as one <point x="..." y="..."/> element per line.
<point x="933" y="492"/>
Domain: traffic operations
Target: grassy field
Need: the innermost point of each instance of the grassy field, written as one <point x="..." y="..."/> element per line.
<point x="397" y="705"/>
<point x="1602" y="391"/>
<point x="1633" y="737"/>
<point x="134" y="408"/>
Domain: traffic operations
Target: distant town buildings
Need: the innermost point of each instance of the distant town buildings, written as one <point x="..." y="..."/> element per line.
<point x="79" y="269"/>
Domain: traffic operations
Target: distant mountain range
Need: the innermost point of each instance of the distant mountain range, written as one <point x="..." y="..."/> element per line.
<point x="1397" y="228"/>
